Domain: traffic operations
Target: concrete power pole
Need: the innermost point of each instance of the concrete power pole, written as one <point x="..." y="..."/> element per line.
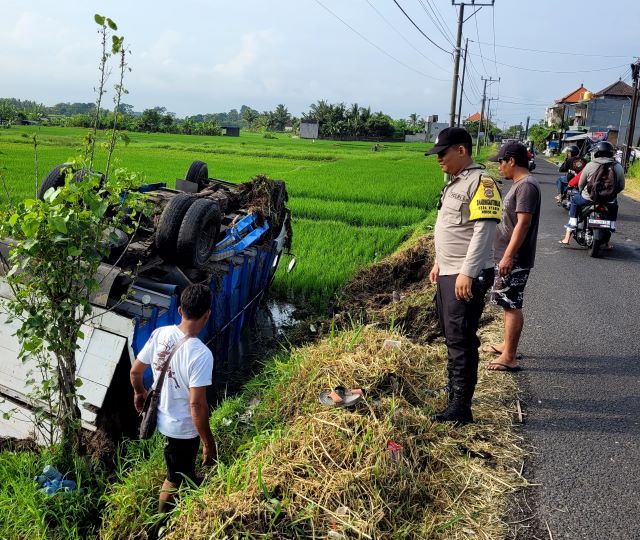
<point x="456" y="63"/>
<point x="456" y="67"/>
<point x="526" y="128"/>
<point x="464" y="70"/>
<point x="635" y="75"/>
<point x="484" y="99"/>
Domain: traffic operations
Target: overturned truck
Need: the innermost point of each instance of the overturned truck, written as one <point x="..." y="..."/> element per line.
<point x="231" y="236"/>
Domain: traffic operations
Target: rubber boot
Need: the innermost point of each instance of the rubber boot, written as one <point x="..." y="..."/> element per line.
<point x="458" y="411"/>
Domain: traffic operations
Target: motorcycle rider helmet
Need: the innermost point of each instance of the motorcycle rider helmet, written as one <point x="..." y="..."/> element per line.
<point x="573" y="150"/>
<point x="603" y="149"/>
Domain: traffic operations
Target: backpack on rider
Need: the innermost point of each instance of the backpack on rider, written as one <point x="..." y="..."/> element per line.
<point x="601" y="186"/>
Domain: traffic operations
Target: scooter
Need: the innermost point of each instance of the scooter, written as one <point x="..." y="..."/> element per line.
<point x="565" y="200"/>
<point x="594" y="227"/>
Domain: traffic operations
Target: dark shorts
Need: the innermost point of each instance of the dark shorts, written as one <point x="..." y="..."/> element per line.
<point x="508" y="291"/>
<point x="180" y="456"/>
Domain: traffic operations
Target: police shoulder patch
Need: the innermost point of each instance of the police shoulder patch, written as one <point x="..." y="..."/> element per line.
<point x="486" y="203"/>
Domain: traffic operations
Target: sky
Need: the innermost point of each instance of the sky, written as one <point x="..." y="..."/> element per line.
<point x="201" y="56"/>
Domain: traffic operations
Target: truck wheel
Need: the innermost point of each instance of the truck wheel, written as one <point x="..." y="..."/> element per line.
<point x="54" y="179"/>
<point x="169" y="225"/>
<point x="198" y="233"/>
<point x="198" y="173"/>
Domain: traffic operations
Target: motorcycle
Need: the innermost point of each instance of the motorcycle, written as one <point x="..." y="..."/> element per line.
<point x="565" y="200"/>
<point x="594" y="227"/>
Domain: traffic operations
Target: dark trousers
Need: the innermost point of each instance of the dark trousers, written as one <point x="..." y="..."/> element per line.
<point x="459" y="323"/>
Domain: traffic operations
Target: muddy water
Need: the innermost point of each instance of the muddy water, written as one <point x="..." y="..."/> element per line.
<point x="260" y="339"/>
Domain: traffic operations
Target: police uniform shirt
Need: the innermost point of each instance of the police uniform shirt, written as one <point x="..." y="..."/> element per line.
<point x="470" y="208"/>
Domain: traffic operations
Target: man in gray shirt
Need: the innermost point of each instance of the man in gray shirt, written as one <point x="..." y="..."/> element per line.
<point x="515" y="250"/>
<point x="469" y="208"/>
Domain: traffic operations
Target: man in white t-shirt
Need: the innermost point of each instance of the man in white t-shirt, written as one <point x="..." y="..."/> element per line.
<point x="183" y="412"/>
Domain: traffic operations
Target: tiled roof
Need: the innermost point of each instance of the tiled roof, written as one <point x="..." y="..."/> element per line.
<point x="574" y="97"/>
<point x="618" y="88"/>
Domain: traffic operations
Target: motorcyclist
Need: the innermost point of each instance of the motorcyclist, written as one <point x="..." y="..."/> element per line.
<point x="572" y="165"/>
<point x="603" y="152"/>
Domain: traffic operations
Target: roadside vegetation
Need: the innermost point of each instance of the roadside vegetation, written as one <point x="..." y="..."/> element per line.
<point x="632" y="181"/>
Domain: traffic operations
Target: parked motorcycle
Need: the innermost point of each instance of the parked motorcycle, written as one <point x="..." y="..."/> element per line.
<point x="594" y="227"/>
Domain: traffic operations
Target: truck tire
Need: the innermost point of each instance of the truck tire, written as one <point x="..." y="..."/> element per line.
<point x="54" y="179"/>
<point x="169" y="225"/>
<point x="198" y="173"/>
<point x="198" y="233"/>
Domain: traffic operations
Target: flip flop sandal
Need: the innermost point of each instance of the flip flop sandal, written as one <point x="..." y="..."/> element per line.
<point x="503" y="367"/>
<point x="340" y="397"/>
<point x="490" y="349"/>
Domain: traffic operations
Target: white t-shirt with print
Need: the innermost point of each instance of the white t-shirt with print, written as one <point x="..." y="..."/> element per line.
<point x="191" y="366"/>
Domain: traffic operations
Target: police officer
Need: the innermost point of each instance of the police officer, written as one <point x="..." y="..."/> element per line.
<point x="470" y="207"/>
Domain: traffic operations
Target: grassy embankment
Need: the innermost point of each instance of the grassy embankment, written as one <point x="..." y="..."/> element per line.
<point x="289" y="467"/>
<point x="632" y="181"/>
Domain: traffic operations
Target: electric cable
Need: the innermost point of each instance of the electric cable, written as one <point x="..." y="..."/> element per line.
<point x="437" y="24"/>
<point x="558" y="52"/>
<point x="418" y="28"/>
<point x="376" y="46"/>
<point x="405" y="39"/>
<point x="551" y="70"/>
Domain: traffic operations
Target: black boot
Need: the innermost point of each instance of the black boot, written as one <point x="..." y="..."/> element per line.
<point x="458" y="412"/>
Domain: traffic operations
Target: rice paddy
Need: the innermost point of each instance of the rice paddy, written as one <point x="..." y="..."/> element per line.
<point x="351" y="206"/>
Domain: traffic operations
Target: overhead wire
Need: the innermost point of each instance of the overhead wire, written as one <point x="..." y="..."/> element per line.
<point x="552" y="70"/>
<point x="475" y="17"/>
<point x="557" y="52"/>
<point x="437" y="23"/>
<point x="405" y="39"/>
<point x="418" y="28"/>
<point x="376" y="46"/>
<point x="493" y="27"/>
<point x="439" y="16"/>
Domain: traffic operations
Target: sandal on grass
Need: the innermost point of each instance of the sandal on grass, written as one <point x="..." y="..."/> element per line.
<point x="340" y="397"/>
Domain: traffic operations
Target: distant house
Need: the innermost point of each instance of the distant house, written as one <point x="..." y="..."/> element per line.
<point x="231" y="131"/>
<point x="606" y="113"/>
<point x="309" y="129"/>
<point x="564" y="109"/>
<point x="429" y="135"/>
<point x="475" y="117"/>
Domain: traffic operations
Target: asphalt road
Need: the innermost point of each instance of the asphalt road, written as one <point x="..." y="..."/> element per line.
<point x="581" y="381"/>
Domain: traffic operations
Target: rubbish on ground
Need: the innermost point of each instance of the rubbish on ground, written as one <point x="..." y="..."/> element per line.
<point x="340" y="397"/>
<point x="392" y="344"/>
<point x="394" y="449"/>
<point x="53" y="482"/>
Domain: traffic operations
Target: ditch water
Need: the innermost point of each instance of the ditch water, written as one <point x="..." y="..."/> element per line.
<point x="259" y="340"/>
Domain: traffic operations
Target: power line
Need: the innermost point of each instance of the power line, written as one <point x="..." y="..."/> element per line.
<point x="558" y="52"/>
<point x="376" y="46"/>
<point x="551" y="70"/>
<point x="434" y="8"/>
<point x="479" y="46"/>
<point x="436" y="23"/>
<point x="495" y="55"/>
<point x="405" y="39"/>
<point x="419" y="30"/>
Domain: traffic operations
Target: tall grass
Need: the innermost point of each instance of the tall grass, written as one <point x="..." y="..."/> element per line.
<point x="27" y="513"/>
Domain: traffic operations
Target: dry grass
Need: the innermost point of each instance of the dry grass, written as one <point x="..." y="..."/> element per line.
<point x="328" y="473"/>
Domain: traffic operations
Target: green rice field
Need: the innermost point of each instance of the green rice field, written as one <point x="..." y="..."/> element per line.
<point x="350" y="206"/>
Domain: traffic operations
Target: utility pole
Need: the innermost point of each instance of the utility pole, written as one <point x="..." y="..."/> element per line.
<point x="526" y="129"/>
<point x="456" y="63"/>
<point x="488" y="123"/>
<point x="484" y="98"/>
<point x="635" y="75"/>
<point x="464" y="70"/>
